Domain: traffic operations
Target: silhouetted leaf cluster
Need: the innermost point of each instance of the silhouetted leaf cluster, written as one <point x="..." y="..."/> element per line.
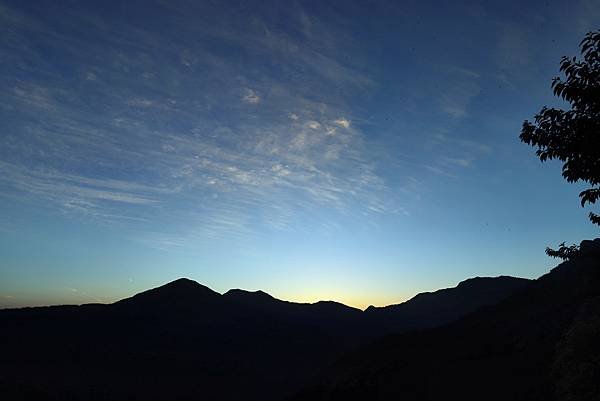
<point x="563" y="252"/>
<point x="573" y="136"/>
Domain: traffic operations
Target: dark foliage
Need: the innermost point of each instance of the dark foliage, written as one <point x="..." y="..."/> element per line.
<point x="573" y="136"/>
<point x="563" y="252"/>
<point x="576" y="369"/>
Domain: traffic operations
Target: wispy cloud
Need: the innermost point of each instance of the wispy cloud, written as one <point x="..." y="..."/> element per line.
<point x="201" y="141"/>
<point x="343" y="122"/>
<point x="513" y="48"/>
<point x="457" y="96"/>
<point x="250" y="96"/>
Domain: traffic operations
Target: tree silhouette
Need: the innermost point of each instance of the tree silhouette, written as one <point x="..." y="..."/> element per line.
<point x="573" y="136"/>
<point x="563" y="252"/>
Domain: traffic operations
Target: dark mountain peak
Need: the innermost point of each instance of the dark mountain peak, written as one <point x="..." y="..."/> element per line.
<point x="184" y="286"/>
<point x="487" y="285"/>
<point x="491" y="281"/>
<point x="334" y="306"/>
<point x="472" y="281"/>
<point x="430" y="309"/>
<point x="182" y="282"/>
<point x="244" y="295"/>
<point x="181" y="292"/>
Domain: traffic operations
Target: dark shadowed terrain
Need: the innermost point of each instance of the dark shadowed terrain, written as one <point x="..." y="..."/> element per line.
<point x="184" y="341"/>
<point x="538" y="344"/>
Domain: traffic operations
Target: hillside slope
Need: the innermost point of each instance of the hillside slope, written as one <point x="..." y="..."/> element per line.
<point x="184" y="341"/>
<point x="539" y="344"/>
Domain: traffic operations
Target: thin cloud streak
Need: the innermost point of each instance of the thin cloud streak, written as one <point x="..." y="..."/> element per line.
<point x="189" y="154"/>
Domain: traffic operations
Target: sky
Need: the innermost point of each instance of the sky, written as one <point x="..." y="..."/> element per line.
<point x="357" y="151"/>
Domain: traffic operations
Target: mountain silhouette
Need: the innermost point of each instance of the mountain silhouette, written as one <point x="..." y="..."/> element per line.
<point x="261" y="299"/>
<point x="251" y="297"/>
<point x="183" y="340"/>
<point x="181" y="292"/>
<point x="432" y="309"/>
<point x="541" y="343"/>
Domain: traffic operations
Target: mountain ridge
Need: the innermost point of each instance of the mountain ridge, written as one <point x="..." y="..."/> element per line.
<point x="187" y="286"/>
<point x="537" y="344"/>
<point x="246" y="295"/>
<point x="231" y="346"/>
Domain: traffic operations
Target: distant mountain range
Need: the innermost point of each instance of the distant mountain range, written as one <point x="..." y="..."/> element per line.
<point x="431" y="309"/>
<point x="542" y="343"/>
<point x="184" y="341"/>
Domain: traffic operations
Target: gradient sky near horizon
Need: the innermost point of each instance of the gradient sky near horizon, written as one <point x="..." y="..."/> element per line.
<point x="360" y="151"/>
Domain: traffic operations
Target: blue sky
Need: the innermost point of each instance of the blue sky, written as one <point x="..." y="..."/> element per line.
<point x="355" y="151"/>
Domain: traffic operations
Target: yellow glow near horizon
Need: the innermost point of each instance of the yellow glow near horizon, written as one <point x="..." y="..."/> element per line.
<point x="361" y="301"/>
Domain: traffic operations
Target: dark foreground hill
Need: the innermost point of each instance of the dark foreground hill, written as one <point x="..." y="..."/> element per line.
<point x="183" y="341"/>
<point x="542" y="343"/>
<point x="431" y="309"/>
